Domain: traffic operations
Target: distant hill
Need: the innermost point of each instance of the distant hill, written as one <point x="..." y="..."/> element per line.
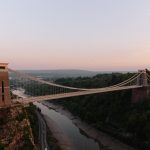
<point x="61" y="73"/>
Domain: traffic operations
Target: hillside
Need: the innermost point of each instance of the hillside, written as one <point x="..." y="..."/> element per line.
<point x="111" y="112"/>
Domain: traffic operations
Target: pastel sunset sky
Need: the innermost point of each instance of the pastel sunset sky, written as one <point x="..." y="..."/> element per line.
<point x="103" y="35"/>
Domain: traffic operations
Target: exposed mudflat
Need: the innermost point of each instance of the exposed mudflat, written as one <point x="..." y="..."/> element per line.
<point x="105" y="141"/>
<point x="63" y="140"/>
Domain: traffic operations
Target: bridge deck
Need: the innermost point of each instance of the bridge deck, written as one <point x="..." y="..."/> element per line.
<point x="73" y="94"/>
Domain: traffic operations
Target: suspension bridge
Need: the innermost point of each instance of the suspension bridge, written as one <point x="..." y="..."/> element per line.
<point x="39" y="90"/>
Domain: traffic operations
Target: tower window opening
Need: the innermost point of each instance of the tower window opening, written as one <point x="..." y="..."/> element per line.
<point x="3" y="97"/>
<point x="2" y="67"/>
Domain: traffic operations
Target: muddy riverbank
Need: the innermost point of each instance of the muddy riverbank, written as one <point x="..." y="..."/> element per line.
<point x="105" y="141"/>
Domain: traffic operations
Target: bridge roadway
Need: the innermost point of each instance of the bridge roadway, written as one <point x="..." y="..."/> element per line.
<point x="73" y="94"/>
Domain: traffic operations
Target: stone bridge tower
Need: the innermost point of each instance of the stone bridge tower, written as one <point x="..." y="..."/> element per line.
<point x="140" y="93"/>
<point x="5" y="98"/>
<point x="142" y="79"/>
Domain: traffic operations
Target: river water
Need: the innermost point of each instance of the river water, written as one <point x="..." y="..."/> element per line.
<point x="78" y="139"/>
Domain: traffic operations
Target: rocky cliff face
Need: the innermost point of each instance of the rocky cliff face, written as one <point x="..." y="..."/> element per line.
<point x="15" y="131"/>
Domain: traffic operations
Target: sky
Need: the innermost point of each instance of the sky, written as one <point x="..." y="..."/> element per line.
<point x="101" y="35"/>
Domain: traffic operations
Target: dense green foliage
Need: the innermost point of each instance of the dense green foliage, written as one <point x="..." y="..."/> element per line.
<point x="2" y="147"/>
<point x="4" y="112"/>
<point x="20" y="117"/>
<point x="33" y="121"/>
<point x="100" y="80"/>
<point x="27" y="145"/>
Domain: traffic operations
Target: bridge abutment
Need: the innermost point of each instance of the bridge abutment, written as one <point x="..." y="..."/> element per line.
<point x="138" y="94"/>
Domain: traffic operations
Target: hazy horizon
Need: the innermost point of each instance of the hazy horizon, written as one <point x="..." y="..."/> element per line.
<point x="92" y="35"/>
<point x="96" y="71"/>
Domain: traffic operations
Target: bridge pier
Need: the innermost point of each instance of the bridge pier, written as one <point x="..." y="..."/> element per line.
<point x="139" y="94"/>
<point x="5" y="99"/>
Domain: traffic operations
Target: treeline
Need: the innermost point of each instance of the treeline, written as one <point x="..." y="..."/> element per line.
<point x="111" y="112"/>
<point x="98" y="81"/>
